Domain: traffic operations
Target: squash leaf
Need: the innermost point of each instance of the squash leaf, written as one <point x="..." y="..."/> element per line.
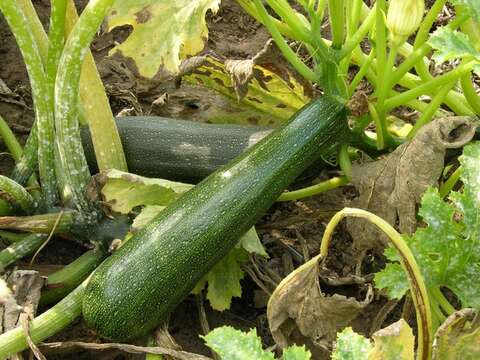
<point x="164" y="31"/>
<point x="233" y="344"/>
<point x="472" y="5"/>
<point x="124" y="191"/>
<point x="351" y="346"/>
<point x="447" y="250"/>
<point x="275" y="97"/>
<point x="452" y="44"/>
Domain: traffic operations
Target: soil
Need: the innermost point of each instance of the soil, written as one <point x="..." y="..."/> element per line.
<point x="232" y="34"/>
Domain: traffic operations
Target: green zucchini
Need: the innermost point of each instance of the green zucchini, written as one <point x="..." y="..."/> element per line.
<point x="179" y="150"/>
<point x="135" y="288"/>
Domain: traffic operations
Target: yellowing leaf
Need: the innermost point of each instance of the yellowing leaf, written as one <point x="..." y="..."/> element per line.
<point x="164" y="31"/>
<point x="124" y="191"/>
<point x="393" y="342"/>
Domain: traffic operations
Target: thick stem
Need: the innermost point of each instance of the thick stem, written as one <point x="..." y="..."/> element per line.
<point x="62" y="282"/>
<point x="42" y="101"/>
<point x="56" y="40"/>
<point x="12" y="237"/>
<point x="417" y="286"/>
<point x="44" y="223"/>
<point x="18" y="193"/>
<point x="20" y="249"/>
<point x="336" y="10"/>
<point x="470" y="92"/>
<point x="448" y="185"/>
<point x="10" y="140"/>
<point x="72" y="158"/>
<point x="47" y="324"/>
<point x="316" y="189"/>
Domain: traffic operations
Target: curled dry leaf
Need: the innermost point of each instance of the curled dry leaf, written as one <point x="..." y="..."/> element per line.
<point x="393" y="186"/>
<point x="458" y="337"/>
<point x="299" y="312"/>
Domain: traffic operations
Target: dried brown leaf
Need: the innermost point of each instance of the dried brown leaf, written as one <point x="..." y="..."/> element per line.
<point x="393" y="186"/>
<point x="299" y="312"/>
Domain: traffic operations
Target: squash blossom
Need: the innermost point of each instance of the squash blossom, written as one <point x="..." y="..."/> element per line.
<point x="403" y="19"/>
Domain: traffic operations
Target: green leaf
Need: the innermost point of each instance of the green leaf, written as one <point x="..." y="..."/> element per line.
<point x="164" y="31"/>
<point x="224" y="280"/>
<point x="232" y="344"/>
<point x="394" y="342"/>
<point x="447" y="250"/>
<point x="124" y="191"/>
<point x="472" y="5"/>
<point x="351" y="346"/>
<point x="451" y="44"/>
<point x="296" y="352"/>
<point x="251" y="242"/>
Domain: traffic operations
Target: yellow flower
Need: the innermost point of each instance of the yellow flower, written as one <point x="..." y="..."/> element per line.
<point x="403" y="19"/>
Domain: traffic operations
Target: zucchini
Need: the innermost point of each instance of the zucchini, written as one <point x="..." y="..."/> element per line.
<point x="178" y="150"/>
<point x="135" y="288"/>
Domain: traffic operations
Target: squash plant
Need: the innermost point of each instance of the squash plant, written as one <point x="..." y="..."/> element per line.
<point x="67" y="91"/>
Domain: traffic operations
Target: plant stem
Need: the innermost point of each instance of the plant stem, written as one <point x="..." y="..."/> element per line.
<point x="10" y="140"/>
<point x="67" y="279"/>
<point x="361" y="73"/>
<point x="448" y="185"/>
<point x="18" y="192"/>
<point x="336" y="10"/>
<point x="417" y="285"/>
<point x="430" y="86"/>
<point x="316" y="189"/>
<point x="289" y="54"/>
<point x="432" y="108"/>
<point x="442" y="301"/>
<point x="56" y="40"/>
<point x="44" y="223"/>
<point x="291" y="18"/>
<point x="344" y="161"/>
<point x="358" y="36"/>
<point x="41" y="96"/>
<point x="72" y="158"/>
<point x="470" y="92"/>
<point x="20" y="249"/>
<point x="379" y="124"/>
<point x="47" y="324"/>
<point x="423" y="34"/>
<point x="12" y="237"/>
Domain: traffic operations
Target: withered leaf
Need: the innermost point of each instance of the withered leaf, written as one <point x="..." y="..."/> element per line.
<point x="393" y="186"/>
<point x="299" y="312"/>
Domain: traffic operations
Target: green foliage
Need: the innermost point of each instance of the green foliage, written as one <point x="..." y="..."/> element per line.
<point x="232" y="344"/>
<point x="450" y="44"/>
<point x="472" y="5"/>
<point x="351" y="346"/>
<point x="447" y="249"/>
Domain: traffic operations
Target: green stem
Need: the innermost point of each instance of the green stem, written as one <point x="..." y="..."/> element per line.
<point x="12" y="237"/>
<point x="379" y="124"/>
<point x="20" y="249"/>
<point x="43" y="223"/>
<point x="470" y="92"/>
<point x="344" y="161"/>
<point x="18" y="193"/>
<point x="361" y="73"/>
<point x="448" y="185"/>
<point x="62" y="282"/>
<point x="336" y="10"/>
<point x="10" y="140"/>
<point x="47" y="324"/>
<point x="289" y="54"/>
<point x="42" y="101"/>
<point x="316" y="189"/>
<point x="291" y="18"/>
<point x="432" y="108"/>
<point x="410" y="266"/>
<point x="442" y="301"/>
<point x="72" y="158"/>
<point x="429" y="87"/>
<point x="56" y="40"/>
<point x="423" y="34"/>
<point x="358" y="36"/>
